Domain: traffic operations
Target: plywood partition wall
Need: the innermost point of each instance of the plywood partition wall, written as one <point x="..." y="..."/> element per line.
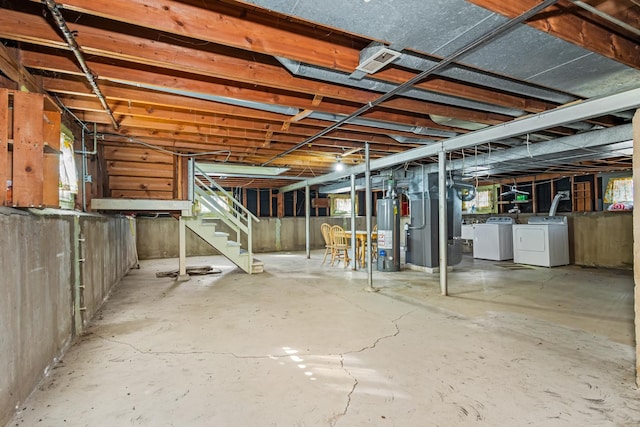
<point x="5" y="174"/>
<point x="29" y="144"/>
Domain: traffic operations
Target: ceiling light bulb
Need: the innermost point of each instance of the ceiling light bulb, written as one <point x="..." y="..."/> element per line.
<point x="339" y="165"/>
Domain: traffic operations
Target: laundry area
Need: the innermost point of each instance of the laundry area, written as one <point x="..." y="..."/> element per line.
<point x="308" y="345"/>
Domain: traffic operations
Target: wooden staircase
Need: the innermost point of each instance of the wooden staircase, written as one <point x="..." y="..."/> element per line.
<point x="205" y="227"/>
<point x="213" y="207"/>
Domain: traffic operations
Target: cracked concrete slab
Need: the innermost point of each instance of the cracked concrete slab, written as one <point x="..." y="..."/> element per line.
<point x="304" y="345"/>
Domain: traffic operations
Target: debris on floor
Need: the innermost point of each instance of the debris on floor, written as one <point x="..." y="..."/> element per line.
<point x="191" y="271"/>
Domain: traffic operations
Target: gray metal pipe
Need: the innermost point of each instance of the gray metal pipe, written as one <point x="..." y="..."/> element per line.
<point x="307" y="208"/>
<point x="421" y="76"/>
<point x="368" y="257"/>
<point x="353" y="219"/>
<point x="442" y="218"/>
<point x="75" y="48"/>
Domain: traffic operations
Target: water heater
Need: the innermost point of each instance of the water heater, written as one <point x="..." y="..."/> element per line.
<point x="388" y="214"/>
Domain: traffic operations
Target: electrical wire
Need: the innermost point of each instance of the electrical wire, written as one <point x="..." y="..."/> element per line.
<point x="164" y="150"/>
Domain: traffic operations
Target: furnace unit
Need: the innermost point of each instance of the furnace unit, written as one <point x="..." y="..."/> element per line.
<point x="422" y="232"/>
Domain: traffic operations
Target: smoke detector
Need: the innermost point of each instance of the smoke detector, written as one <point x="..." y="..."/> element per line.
<point x="376" y="56"/>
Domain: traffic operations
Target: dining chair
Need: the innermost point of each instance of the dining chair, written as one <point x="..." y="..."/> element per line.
<point x="340" y="246"/>
<point x="325" y="229"/>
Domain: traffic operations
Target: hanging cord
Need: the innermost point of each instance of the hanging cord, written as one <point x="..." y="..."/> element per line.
<point x="528" y="147"/>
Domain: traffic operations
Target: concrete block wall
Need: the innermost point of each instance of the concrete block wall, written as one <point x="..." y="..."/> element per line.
<point x="596" y="239"/>
<point x="158" y="237"/>
<point x="39" y="314"/>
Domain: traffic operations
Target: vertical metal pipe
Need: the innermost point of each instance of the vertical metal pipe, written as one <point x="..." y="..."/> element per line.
<point x="354" y="266"/>
<point x="191" y="181"/>
<point x="84" y="173"/>
<point x="307" y="208"/>
<point x="442" y="216"/>
<point x="367" y="179"/>
<point x="182" y="236"/>
<point x="78" y="313"/>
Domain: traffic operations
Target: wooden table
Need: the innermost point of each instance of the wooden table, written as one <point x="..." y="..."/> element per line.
<point x="361" y="244"/>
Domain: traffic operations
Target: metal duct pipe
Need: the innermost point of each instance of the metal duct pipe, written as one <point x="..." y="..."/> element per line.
<point x="442" y="64"/>
<point x="333" y="76"/>
<point x="291" y="111"/>
<point x="75" y="48"/>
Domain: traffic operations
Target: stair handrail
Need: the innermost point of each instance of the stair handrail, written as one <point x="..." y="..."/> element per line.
<point x="239" y="215"/>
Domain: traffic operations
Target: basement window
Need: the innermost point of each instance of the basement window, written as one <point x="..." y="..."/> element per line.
<point x="619" y="193"/>
<point x="219" y="200"/>
<point x="68" y="183"/>
<point x="484" y="202"/>
<point x="341" y="205"/>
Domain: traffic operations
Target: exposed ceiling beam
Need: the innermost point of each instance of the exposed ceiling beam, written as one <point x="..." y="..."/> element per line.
<point x="14" y="70"/>
<point x="191" y="83"/>
<point x="34" y="29"/>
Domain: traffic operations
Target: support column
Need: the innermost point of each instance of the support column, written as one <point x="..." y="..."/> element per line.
<point x="354" y="265"/>
<point x="368" y="257"/>
<point x="307" y="215"/>
<point x="182" y="232"/>
<point x="636" y="235"/>
<point x="442" y="218"/>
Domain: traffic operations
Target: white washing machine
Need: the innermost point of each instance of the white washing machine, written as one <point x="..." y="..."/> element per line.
<point x="544" y="241"/>
<point x="494" y="239"/>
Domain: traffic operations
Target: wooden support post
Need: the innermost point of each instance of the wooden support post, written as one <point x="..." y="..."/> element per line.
<point x="28" y="155"/>
<point x="572" y="193"/>
<point x="534" y="204"/>
<point x="316" y="204"/>
<point x="51" y="173"/>
<point x="51" y="163"/>
<point x="270" y="203"/>
<point x="258" y="202"/>
<point x="596" y="192"/>
<point x="636" y="236"/>
<point x="4" y="146"/>
<point x="280" y="205"/>
<point x="295" y="203"/>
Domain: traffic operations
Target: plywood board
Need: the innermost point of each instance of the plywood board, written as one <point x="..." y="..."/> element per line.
<point x="4" y="145"/>
<point x="51" y="130"/>
<point x="139" y="169"/>
<point x="134" y="194"/>
<point x="140" y="184"/>
<point x="51" y="193"/>
<point x="28" y="154"/>
<point x="136" y="155"/>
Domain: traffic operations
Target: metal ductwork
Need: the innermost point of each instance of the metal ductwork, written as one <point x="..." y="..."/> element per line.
<point x="324" y="74"/>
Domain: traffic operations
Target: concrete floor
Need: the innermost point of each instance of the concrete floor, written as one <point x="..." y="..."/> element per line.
<point x="304" y="345"/>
